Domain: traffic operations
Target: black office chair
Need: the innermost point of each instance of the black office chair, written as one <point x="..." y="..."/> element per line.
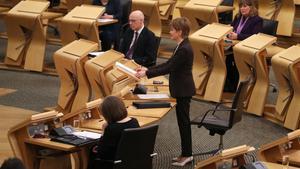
<point x="135" y="150"/>
<point x="269" y="27"/>
<point x="226" y="17"/>
<point x="218" y="121"/>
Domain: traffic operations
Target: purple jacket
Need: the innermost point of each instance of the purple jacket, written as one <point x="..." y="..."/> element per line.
<point x="252" y="26"/>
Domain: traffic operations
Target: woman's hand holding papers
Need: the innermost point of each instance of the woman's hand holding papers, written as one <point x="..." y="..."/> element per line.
<point x="141" y="72"/>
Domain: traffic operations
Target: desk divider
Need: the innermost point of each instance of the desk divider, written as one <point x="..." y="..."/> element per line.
<point x="288" y="145"/>
<point x="234" y="155"/>
<point x="97" y="68"/>
<point x="209" y="68"/>
<point x="26" y="35"/>
<point x="286" y="69"/>
<point x="69" y="62"/>
<point x="151" y="12"/>
<point x="200" y="12"/>
<point x="81" y="22"/>
<point x="250" y="58"/>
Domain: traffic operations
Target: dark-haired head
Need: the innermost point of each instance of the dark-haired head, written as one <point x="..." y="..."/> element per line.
<point x="12" y="163"/>
<point x="181" y="24"/>
<point x="113" y="109"/>
<point x="252" y="4"/>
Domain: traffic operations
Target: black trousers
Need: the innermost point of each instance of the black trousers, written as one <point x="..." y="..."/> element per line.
<point x="110" y="35"/>
<point x="232" y="78"/>
<point x="183" y="120"/>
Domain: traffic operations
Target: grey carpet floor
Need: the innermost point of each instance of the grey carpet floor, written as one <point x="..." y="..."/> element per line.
<point x="36" y="91"/>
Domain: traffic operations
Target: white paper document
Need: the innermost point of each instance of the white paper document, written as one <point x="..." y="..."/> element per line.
<point x="87" y="134"/>
<point x="96" y="53"/>
<point x="125" y="68"/>
<point x="154" y="96"/>
<point x="105" y="20"/>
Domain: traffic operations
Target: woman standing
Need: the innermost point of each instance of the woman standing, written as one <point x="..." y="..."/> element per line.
<point x="246" y="23"/>
<point x="181" y="83"/>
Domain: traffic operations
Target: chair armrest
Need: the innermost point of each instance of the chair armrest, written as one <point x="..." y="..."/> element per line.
<point x="213" y="112"/>
<point x="221" y="103"/>
<point x="153" y="154"/>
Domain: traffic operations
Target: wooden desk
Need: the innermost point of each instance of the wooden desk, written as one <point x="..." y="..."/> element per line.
<point x="209" y="68"/>
<point x="152" y="112"/>
<point x="276" y="166"/>
<point x="287" y="145"/>
<point x="250" y="58"/>
<point x="234" y="155"/>
<point x="46" y="142"/>
<point x="69" y="157"/>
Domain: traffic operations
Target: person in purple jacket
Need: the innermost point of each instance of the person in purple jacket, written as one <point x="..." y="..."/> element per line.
<point x="245" y="23"/>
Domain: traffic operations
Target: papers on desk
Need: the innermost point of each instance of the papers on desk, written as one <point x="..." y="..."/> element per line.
<point x="105" y="20"/>
<point x="95" y="54"/>
<point x="127" y="70"/>
<point x="154" y="96"/>
<point x="87" y="134"/>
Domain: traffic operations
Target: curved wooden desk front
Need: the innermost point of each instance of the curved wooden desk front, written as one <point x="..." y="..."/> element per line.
<point x="97" y="68"/>
<point x="286" y="66"/>
<point x="287" y="145"/>
<point x="81" y="22"/>
<point x="209" y="68"/>
<point x="249" y="56"/>
<point x="26" y="35"/>
<point x="28" y="149"/>
<point x="69" y="62"/>
<point x="235" y="157"/>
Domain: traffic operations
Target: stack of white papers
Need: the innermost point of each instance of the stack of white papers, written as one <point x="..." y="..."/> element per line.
<point x="87" y="134"/>
<point x="129" y="71"/>
<point x="105" y="20"/>
<point x="154" y="96"/>
<point x="96" y="53"/>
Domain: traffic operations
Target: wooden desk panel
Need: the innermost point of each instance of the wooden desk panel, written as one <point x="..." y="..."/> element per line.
<point x="45" y="142"/>
<point x="276" y="166"/>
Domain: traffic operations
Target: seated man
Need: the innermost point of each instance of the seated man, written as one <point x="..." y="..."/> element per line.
<point x="138" y="42"/>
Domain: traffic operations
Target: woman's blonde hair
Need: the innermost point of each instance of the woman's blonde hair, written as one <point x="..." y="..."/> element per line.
<point x="252" y="4"/>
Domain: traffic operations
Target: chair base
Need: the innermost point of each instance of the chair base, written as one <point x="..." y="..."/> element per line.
<point x="213" y="152"/>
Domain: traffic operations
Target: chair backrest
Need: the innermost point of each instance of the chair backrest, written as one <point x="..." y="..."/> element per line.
<point x="269" y="27"/>
<point x="238" y="103"/>
<point x="226" y="17"/>
<point x="135" y="148"/>
<point x="126" y="7"/>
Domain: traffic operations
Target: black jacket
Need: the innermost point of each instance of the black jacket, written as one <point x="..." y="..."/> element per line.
<point x="145" y="50"/>
<point x="179" y="66"/>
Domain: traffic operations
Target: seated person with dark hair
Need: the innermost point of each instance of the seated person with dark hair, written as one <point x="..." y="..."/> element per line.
<point x="109" y="34"/>
<point x="246" y="23"/>
<point x="115" y="114"/>
<point x="138" y="42"/>
<point x="12" y="163"/>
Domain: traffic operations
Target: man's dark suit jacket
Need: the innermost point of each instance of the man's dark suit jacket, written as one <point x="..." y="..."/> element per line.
<point x="181" y="82"/>
<point x="145" y="50"/>
<point x="252" y="26"/>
